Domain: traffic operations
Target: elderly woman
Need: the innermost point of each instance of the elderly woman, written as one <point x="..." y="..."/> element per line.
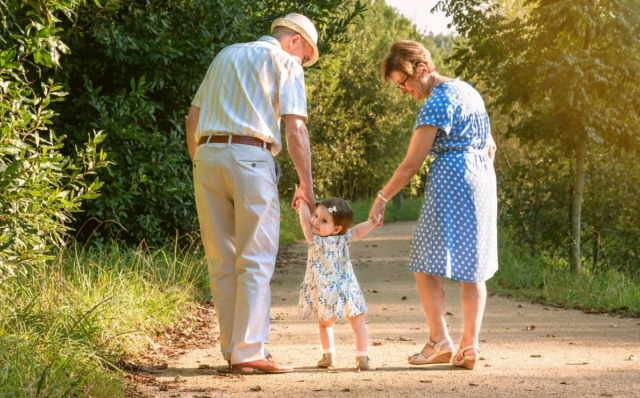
<point x="456" y="235"/>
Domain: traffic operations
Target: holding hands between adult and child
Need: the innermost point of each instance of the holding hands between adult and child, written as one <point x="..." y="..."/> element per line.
<point x="377" y="209"/>
<point x="327" y="221"/>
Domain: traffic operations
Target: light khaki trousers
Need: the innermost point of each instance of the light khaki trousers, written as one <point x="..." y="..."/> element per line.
<point x="239" y="214"/>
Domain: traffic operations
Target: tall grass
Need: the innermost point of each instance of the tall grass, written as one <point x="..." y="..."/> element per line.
<point x="63" y="328"/>
<point x="548" y="280"/>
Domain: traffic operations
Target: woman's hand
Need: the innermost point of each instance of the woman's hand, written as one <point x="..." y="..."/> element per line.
<point x="492" y="148"/>
<point x="376" y="214"/>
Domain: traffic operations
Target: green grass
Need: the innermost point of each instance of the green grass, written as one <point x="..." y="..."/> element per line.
<point x="63" y="328"/>
<point x="548" y="280"/>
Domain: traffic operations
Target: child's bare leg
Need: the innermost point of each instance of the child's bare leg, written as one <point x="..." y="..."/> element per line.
<point x="326" y="335"/>
<point x="362" y="341"/>
<point x="360" y="332"/>
<point x="326" y="338"/>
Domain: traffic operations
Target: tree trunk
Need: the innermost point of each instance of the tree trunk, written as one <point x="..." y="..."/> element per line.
<point x="397" y="200"/>
<point x="596" y="250"/>
<point x="534" y="221"/>
<point x="576" y="207"/>
<point x="581" y="150"/>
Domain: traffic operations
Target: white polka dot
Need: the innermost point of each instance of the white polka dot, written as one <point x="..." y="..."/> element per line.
<point x="456" y="234"/>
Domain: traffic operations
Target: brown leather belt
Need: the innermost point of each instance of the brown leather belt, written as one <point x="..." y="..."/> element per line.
<point x="235" y="139"/>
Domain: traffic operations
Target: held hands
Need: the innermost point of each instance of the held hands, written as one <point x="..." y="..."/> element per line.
<point x="376" y="214"/>
<point x="303" y="196"/>
<point x="297" y="203"/>
<point x="302" y="208"/>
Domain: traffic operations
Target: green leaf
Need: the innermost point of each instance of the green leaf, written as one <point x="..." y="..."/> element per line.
<point x="12" y="169"/>
<point x="43" y="57"/>
<point x="9" y="241"/>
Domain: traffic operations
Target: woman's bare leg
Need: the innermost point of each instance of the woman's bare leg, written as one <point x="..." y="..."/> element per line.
<point x="474" y="298"/>
<point x="432" y="297"/>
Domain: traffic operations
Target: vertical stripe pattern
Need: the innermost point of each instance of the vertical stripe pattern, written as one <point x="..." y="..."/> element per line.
<point x="247" y="89"/>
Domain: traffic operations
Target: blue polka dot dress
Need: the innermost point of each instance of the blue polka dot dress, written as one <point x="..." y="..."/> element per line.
<point x="456" y="235"/>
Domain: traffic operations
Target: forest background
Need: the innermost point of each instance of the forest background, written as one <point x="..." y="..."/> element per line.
<point x="98" y="231"/>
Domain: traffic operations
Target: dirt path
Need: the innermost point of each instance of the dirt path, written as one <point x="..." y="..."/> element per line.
<point x="528" y="350"/>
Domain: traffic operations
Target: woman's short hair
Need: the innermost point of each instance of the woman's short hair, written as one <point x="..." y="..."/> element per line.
<point x="404" y="56"/>
<point x="342" y="216"/>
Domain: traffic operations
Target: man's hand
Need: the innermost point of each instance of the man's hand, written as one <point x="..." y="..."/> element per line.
<point x="304" y="196"/>
<point x="192" y="126"/>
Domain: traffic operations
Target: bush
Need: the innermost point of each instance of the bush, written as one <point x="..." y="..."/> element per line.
<point x="40" y="187"/>
<point x="133" y="70"/>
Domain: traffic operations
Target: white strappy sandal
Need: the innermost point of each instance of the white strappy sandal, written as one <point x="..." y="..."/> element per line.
<point x="440" y="355"/>
<point x="467" y="361"/>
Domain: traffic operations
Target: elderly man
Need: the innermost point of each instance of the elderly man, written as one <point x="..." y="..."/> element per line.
<point x="233" y="134"/>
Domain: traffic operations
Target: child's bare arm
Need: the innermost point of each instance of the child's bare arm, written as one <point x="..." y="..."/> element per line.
<point x="362" y="229"/>
<point x="305" y="216"/>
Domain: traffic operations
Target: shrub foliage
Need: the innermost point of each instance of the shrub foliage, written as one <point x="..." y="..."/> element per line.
<point x="42" y="180"/>
<point x="133" y="70"/>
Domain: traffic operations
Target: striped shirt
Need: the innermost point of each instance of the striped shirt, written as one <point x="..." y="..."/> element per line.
<point x="246" y="90"/>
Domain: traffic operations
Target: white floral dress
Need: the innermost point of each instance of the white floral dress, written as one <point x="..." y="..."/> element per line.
<point x="330" y="288"/>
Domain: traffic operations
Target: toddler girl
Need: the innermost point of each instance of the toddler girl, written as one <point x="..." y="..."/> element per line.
<point x="330" y="289"/>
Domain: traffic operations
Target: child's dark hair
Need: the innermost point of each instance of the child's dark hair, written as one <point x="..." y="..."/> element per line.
<point x="342" y="216"/>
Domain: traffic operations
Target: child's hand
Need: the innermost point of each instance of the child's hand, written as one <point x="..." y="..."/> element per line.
<point x="376" y="224"/>
<point x="298" y="203"/>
